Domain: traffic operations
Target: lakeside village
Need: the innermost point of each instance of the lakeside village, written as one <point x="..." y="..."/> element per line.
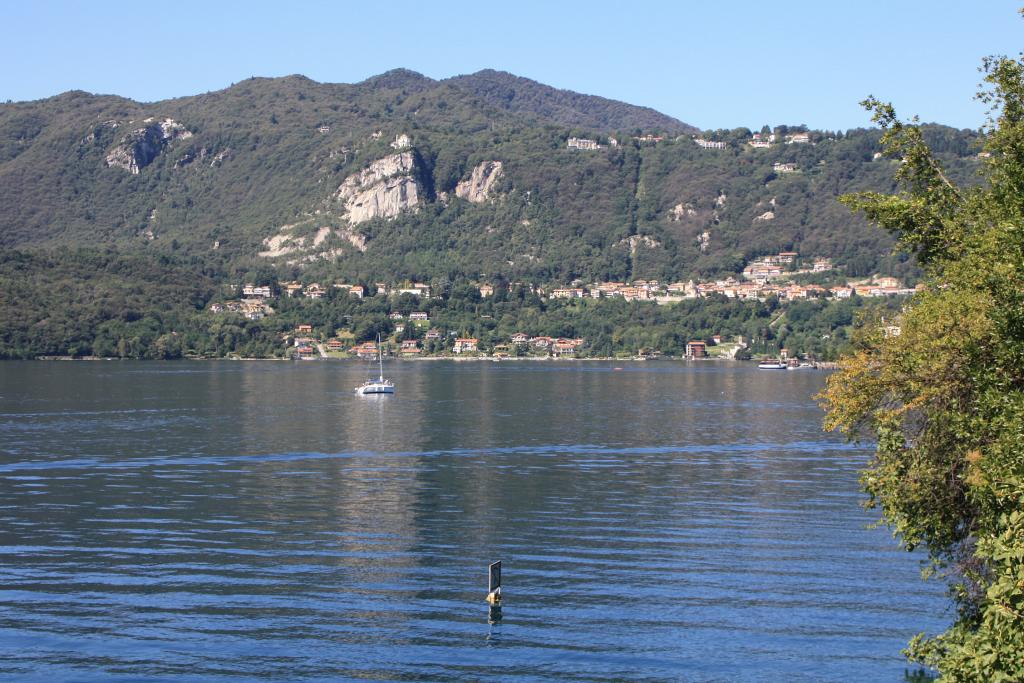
<point x="414" y="336"/>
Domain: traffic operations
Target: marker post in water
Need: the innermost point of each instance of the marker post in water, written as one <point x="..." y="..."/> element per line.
<point x="494" y="583"/>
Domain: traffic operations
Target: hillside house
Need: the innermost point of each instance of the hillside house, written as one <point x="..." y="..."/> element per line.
<point x="563" y="348"/>
<point x="762" y="272"/>
<point x="696" y="349"/>
<point x="486" y="290"/>
<point x="304" y="329"/>
<point x="582" y="143"/>
<point x="314" y="291"/>
<point x="410" y="347"/>
<point x="687" y="289"/>
<point x="842" y="292"/>
<point x="420" y="316"/>
<point x="634" y="293"/>
<point x="465" y="345"/>
<point x="365" y="351"/>
<point x="520" y="339"/>
<point x="433" y="333"/>
<point x="335" y="345"/>
<point x="815" y="290"/>
<point x="710" y="144"/>
<point x="779" y="167"/>
<point x="254" y="292"/>
<point x="395" y="315"/>
<point x="795" y="292"/>
<point x="798" y="139"/>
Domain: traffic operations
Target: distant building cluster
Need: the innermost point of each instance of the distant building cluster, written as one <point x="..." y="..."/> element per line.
<point x="762" y="278"/>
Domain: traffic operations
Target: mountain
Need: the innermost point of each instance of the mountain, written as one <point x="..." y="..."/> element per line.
<point x="548" y="105"/>
<point x="402" y="176"/>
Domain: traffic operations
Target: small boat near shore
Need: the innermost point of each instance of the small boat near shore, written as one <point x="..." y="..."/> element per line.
<point x="771" y="364"/>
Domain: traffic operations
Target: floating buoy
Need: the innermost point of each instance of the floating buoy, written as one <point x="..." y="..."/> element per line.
<point x="494" y="583"/>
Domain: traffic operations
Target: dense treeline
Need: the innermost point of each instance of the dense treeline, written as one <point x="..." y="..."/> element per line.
<point x="132" y="305"/>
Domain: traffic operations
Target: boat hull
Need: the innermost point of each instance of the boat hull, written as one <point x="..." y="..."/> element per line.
<point x="375" y="388"/>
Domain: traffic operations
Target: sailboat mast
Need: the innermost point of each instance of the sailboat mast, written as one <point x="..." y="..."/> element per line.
<point x="380" y="357"/>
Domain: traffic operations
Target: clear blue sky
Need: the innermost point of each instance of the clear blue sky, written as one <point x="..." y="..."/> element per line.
<point x="712" y="64"/>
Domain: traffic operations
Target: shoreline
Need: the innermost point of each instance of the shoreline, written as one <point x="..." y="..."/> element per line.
<point x="824" y="365"/>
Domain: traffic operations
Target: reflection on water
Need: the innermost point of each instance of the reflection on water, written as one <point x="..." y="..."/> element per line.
<point x="259" y="521"/>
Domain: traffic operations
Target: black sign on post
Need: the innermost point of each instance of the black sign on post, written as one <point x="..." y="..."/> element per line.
<point x="494" y="576"/>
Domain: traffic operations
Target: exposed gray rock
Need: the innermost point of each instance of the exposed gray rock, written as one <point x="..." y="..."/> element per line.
<point x="220" y="156"/>
<point x="478" y="186"/>
<point x="382" y="190"/>
<point x="635" y="241"/>
<point x="704" y="240"/>
<point x="139" y="148"/>
<point x="681" y="210"/>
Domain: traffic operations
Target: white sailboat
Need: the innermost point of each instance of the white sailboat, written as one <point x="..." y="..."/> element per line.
<point x="379" y="385"/>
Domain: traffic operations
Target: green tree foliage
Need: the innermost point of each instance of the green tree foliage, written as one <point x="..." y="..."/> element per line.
<point x="945" y="397"/>
<point x="128" y="305"/>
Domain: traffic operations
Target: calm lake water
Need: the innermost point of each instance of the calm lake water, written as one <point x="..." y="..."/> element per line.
<point x="257" y="521"/>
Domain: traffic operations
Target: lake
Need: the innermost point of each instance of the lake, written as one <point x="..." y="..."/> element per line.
<point x="242" y="521"/>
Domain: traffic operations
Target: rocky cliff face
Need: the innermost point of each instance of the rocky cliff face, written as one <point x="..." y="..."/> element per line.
<point x="477" y="187"/>
<point x="140" y="147"/>
<point x="382" y="190"/>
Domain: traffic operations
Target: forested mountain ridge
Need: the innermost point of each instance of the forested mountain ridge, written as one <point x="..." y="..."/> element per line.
<point x="401" y="176"/>
<point x="552" y="106"/>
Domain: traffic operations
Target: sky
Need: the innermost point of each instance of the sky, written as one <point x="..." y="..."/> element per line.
<point x="721" y="64"/>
